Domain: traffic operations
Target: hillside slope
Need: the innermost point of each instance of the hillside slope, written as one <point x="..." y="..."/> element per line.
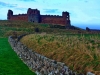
<point x="22" y="27"/>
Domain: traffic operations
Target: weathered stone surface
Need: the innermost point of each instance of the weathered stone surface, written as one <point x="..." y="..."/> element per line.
<point x="39" y="63"/>
<point x="89" y="73"/>
<point x="33" y="15"/>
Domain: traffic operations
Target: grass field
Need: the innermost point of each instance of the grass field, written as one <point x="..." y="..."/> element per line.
<point x="7" y="27"/>
<point x="80" y="52"/>
<point x="10" y="64"/>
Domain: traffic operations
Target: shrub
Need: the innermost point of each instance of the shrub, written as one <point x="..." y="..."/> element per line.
<point x="87" y="29"/>
<point x="14" y="34"/>
<point x="36" y="29"/>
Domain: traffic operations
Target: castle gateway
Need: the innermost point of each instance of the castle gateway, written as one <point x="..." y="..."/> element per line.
<point x="33" y="15"/>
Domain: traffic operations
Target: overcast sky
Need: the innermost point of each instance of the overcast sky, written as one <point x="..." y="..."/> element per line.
<point x="83" y="13"/>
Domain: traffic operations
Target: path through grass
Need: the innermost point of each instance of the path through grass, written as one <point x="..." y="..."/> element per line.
<point x="10" y="64"/>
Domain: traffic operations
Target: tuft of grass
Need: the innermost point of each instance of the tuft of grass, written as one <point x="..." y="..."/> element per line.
<point x="10" y="64"/>
<point x="79" y="52"/>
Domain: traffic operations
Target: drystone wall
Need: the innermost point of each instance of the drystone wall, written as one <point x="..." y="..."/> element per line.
<point x="39" y="63"/>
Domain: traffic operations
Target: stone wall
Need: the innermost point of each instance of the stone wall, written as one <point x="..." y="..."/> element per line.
<point x="33" y="15"/>
<point x="39" y="63"/>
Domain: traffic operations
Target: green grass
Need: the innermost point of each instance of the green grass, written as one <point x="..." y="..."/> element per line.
<point x="61" y="44"/>
<point x="10" y="64"/>
<point x="6" y="27"/>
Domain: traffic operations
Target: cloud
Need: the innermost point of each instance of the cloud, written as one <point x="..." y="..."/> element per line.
<point x="22" y="9"/>
<point x="26" y="0"/>
<point x="50" y="10"/>
<point x="3" y="4"/>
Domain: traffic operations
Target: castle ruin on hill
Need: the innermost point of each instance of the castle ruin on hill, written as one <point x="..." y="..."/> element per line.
<point x="33" y="15"/>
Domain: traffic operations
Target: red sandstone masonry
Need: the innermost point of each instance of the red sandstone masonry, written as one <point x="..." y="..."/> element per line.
<point x="33" y="15"/>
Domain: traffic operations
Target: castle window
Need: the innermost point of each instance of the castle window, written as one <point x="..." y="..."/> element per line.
<point x="34" y="11"/>
<point x="32" y="15"/>
<point x="31" y="20"/>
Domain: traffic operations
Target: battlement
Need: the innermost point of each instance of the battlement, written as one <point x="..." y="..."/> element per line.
<point x="51" y="15"/>
<point x="22" y="14"/>
<point x="33" y="15"/>
<point x="65" y="12"/>
<point x="33" y="11"/>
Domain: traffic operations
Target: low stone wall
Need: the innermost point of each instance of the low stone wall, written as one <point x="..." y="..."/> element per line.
<point x="39" y="63"/>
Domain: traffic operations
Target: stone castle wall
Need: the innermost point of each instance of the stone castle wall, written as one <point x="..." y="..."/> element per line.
<point x="53" y="20"/>
<point x="19" y="18"/>
<point x="39" y="63"/>
<point x="33" y="15"/>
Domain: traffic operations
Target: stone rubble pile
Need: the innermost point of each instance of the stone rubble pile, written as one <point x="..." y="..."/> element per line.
<point x="39" y="63"/>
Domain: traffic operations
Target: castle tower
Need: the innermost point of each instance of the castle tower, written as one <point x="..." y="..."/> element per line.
<point x="66" y="17"/>
<point x="10" y="13"/>
<point x="33" y="15"/>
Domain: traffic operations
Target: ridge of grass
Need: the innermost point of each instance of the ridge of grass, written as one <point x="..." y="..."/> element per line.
<point x="80" y="52"/>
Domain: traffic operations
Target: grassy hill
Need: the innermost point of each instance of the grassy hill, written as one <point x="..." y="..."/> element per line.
<point x="76" y="47"/>
<point x="7" y="27"/>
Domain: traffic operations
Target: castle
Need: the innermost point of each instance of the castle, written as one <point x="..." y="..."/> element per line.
<point x="33" y="15"/>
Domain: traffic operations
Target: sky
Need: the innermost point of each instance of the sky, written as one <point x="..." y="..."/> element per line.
<point x="83" y="13"/>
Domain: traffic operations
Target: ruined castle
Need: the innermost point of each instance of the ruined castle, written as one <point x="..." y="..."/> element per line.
<point x="33" y="15"/>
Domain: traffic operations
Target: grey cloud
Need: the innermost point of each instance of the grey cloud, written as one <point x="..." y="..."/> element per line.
<point x="26" y="0"/>
<point x="3" y="4"/>
<point x="21" y="8"/>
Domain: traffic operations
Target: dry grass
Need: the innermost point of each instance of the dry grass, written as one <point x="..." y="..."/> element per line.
<point x="79" y="53"/>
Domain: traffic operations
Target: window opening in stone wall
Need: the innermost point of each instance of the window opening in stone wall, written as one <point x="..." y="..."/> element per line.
<point x="31" y="20"/>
